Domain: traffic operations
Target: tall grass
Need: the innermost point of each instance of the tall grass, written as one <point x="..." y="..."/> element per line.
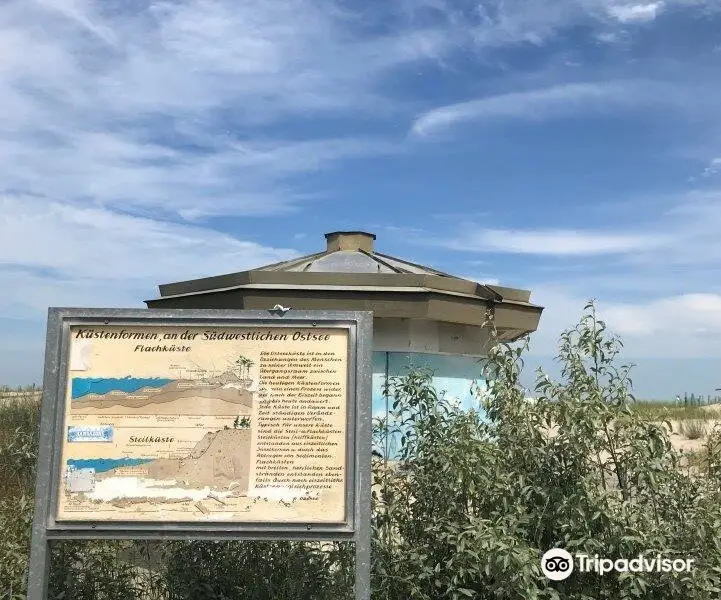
<point x="18" y="450"/>
<point x="19" y="410"/>
<point x="19" y="423"/>
<point x="693" y="430"/>
<point x="659" y="410"/>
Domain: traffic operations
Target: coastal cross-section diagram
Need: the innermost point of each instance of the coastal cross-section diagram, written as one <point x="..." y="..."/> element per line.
<point x="233" y="427"/>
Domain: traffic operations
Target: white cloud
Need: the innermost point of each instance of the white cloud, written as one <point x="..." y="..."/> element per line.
<point x="557" y="101"/>
<point x="554" y="242"/>
<point x="691" y="313"/>
<point x="608" y="37"/>
<point x="683" y="325"/>
<point x="120" y="169"/>
<point x="481" y="279"/>
<point x="657" y="285"/>
<point x="713" y="167"/>
<point x="121" y="119"/>
<point x="636" y="13"/>
<point x="671" y="232"/>
<point x="162" y="107"/>
<point x="496" y="23"/>
<point x="60" y="254"/>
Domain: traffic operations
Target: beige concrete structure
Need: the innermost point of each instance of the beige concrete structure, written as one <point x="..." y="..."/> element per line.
<point x="416" y="308"/>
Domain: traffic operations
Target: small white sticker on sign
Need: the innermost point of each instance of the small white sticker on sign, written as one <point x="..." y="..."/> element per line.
<point x="80" y="480"/>
<point x="80" y="353"/>
<point x="90" y="433"/>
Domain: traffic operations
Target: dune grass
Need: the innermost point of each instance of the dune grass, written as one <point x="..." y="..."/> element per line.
<point x="693" y="429"/>
<point x="21" y="410"/>
<point x="19" y="425"/>
<point x="655" y="410"/>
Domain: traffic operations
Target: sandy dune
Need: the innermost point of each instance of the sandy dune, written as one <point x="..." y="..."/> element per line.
<point x="218" y="460"/>
<point x="217" y="400"/>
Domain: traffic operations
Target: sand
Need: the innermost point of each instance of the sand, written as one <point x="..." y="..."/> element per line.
<point x="218" y="460"/>
<point x="192" y="401"/>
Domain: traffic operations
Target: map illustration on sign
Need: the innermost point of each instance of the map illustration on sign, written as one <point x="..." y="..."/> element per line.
<point x="232" y="424"/>
<point x="224" y="394"/>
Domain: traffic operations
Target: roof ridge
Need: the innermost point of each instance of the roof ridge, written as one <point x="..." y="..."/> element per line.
<point x="289" y="263"/>
<point x="424" y="267"/>
<point x="374" y="256"/>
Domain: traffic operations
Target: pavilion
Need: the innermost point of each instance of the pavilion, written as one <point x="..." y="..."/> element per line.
<point x="422" y="316"/>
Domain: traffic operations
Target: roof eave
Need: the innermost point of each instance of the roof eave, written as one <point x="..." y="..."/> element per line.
<point x="425" y="303"/>
<point x="350" y="280"/>
<point x="356" y="288"/>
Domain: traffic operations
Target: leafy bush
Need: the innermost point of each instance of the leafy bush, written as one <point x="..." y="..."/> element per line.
<point x="18" y="452"/>
<point x="473" y="503"/>
<point x="18" y="445"/>
<point x="93" y="570"/>
<point x="465" y="510"/>
<point x="258" y="570"/>
<point x="16" y="517"/>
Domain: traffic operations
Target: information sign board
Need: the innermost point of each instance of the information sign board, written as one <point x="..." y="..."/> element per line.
<point x="204" y="424"/>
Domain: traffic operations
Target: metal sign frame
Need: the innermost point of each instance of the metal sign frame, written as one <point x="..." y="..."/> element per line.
<point x="355" y="528"/>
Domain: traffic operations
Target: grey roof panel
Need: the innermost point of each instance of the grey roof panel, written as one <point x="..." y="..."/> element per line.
<point x="351" y="261"/>
<point x="344" y="261"/>
<point x="350" y="265"/>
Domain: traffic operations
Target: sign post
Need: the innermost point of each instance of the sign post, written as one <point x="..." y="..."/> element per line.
<point x="204" y="424"/>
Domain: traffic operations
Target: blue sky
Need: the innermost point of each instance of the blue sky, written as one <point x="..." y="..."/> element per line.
<point x="570" y="147"/>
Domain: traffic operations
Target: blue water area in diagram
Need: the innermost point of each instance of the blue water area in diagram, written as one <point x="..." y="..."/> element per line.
<point x="101" y="465"/>
<point x="81" y="386"/>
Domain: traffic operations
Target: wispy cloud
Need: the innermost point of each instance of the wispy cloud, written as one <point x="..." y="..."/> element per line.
<point x="128" y="129"/>
<point x="667" y="326"/>
<point x="498" y="23"/>
<point x="63" y="254"/>
<point x="166" y="106"/>
<point x="714" y="166"/>
<point x="684" y="232"/>
<point x="700" y="314"/>
<point x="658" y="282"/>
<point x="554" y="242"/>
<point x="556" y="101"/>
<point x="162" y="107"/>
<point x="636" y="12"/>
<point x="121" y="122"/>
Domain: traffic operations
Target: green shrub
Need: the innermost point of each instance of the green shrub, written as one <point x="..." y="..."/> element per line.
<point x="473" y="503"/>
<point x="93" y="570"/>
<point x="19" y="428"/>
<point x="16" y="516"/>
<point x="18" y="452"/>
<point x="467" y="509"/>
<point x="258" y="570"/>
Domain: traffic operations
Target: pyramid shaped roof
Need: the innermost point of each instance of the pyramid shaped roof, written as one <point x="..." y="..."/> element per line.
<point x="350" y="275"/>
